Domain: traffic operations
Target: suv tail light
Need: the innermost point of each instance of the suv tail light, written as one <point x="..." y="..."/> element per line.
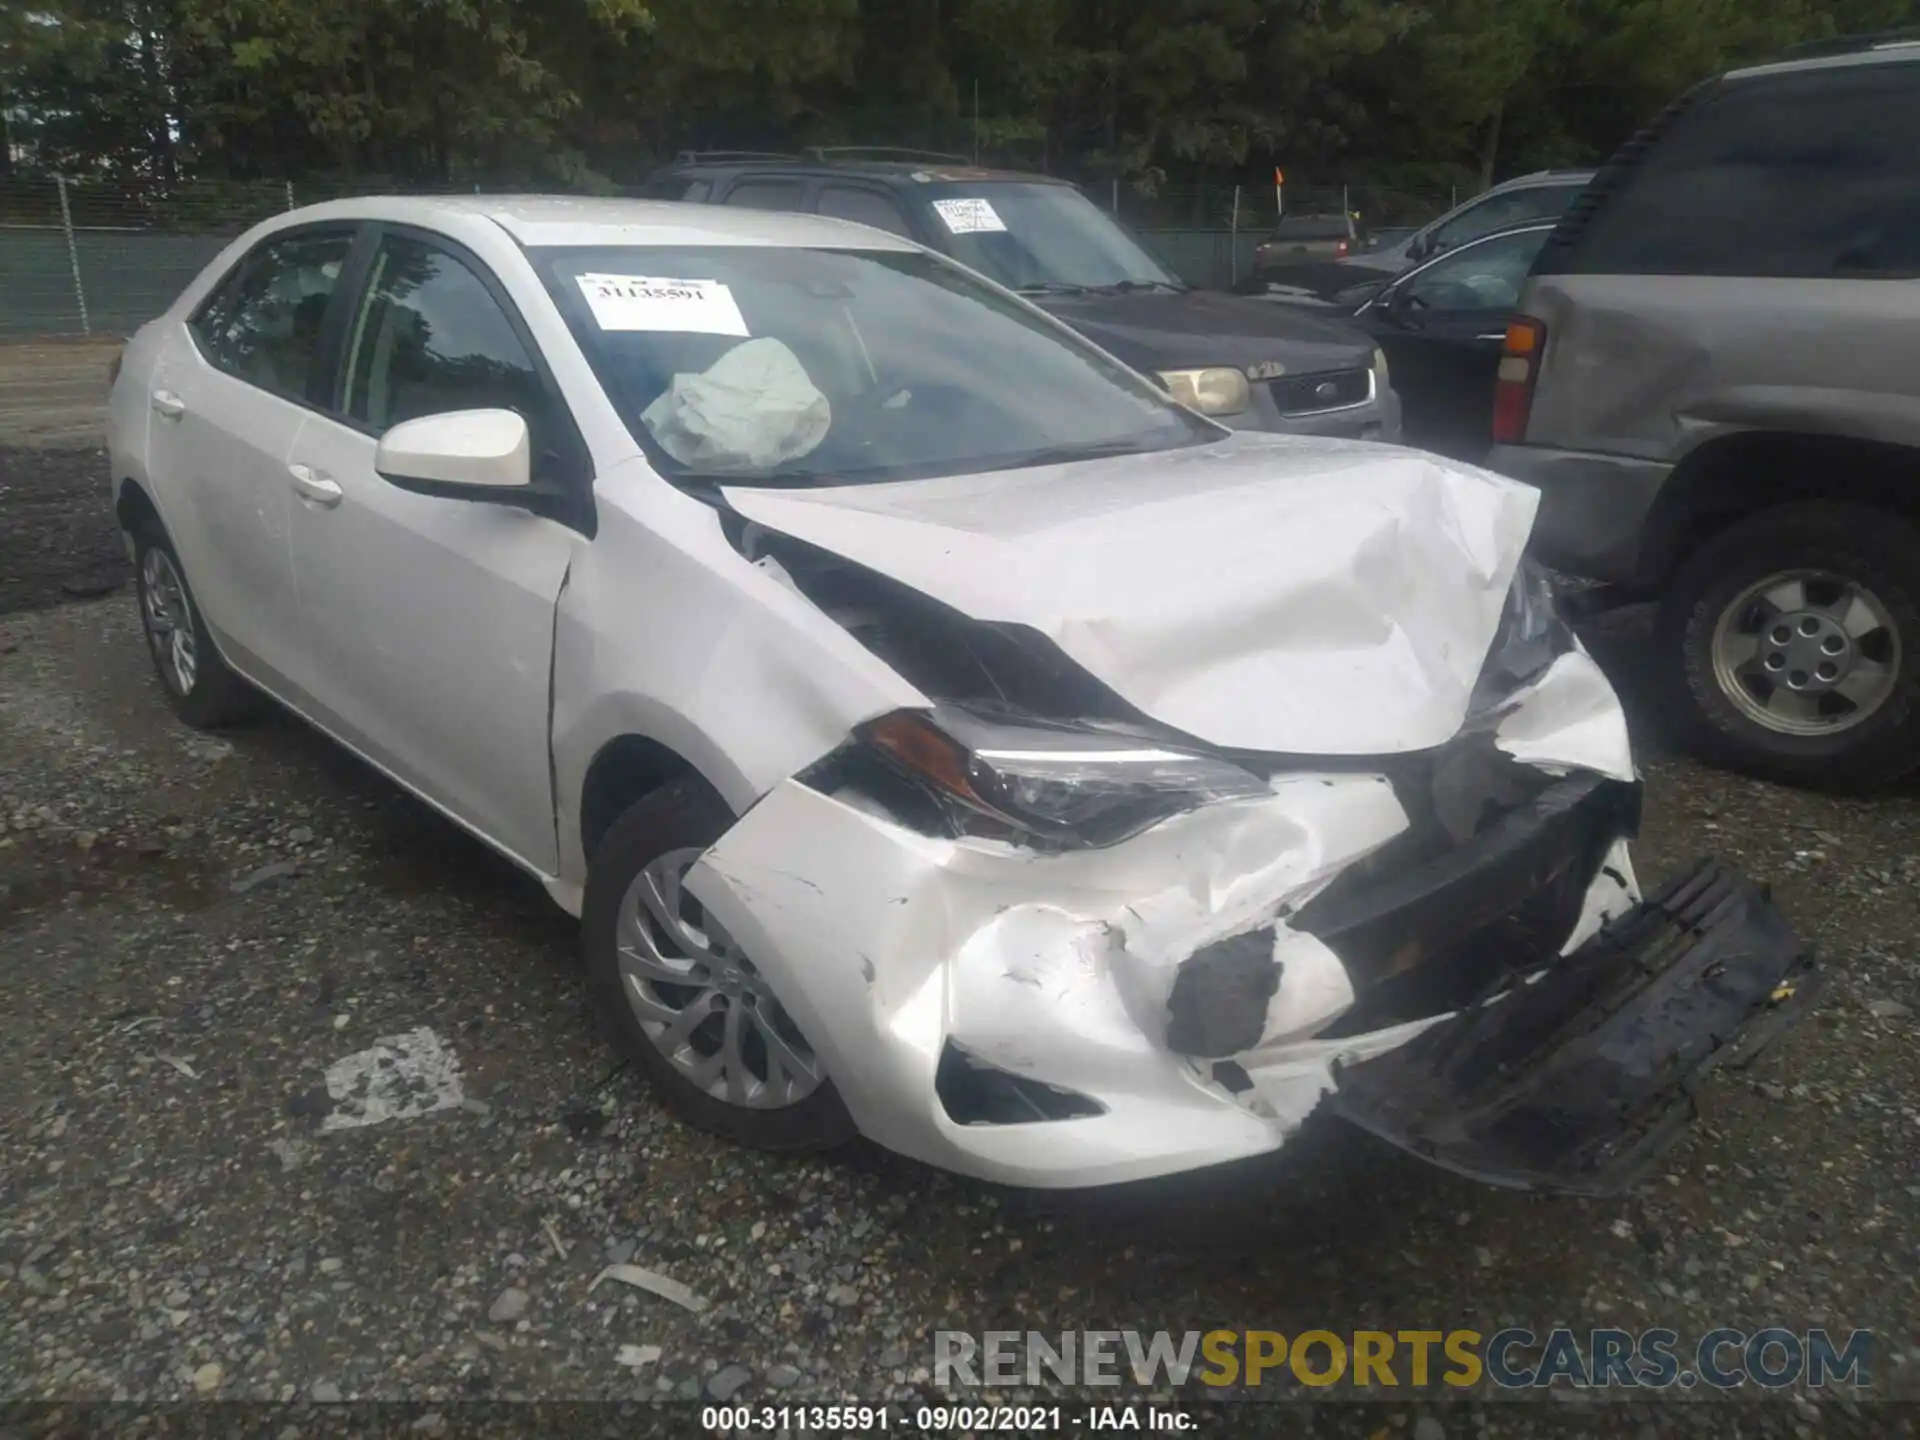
<point x="1340" y="248"/>
<point x="1519" y="368"/>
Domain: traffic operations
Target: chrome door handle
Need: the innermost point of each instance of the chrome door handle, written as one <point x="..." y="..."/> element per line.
<point x="168" y="405"/>
<point x="310" y="485"/>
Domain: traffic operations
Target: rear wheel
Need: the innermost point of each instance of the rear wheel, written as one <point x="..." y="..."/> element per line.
<point x="681" y="995"/>
<point x="199" y="686"/>
<point x="1791" y="642"/>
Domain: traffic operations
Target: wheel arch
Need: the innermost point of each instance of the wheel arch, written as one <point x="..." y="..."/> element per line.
<point x="133" y="506"/>
<point x="1732" y="476"/>
<point x="625" y="770"/>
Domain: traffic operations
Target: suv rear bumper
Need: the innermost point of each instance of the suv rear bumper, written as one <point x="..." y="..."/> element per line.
<point x="1593" y="508"/>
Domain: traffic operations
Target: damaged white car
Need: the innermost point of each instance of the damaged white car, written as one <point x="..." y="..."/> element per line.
<point x="941" y="735"/>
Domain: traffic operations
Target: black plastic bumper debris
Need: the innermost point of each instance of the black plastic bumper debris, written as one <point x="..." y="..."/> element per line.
<point x="1578" y="1080"/>
<point x="1219" y="1002"/>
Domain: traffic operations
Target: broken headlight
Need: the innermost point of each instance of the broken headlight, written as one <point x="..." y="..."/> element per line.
<point x="1074" y="786"/>
<point x="1530" y="638"/>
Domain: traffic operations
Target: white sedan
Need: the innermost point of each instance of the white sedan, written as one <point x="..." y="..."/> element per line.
<point x="939" y="733"/>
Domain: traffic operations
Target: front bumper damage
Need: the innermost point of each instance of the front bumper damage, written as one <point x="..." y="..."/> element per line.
<point x="1448" y="950"/>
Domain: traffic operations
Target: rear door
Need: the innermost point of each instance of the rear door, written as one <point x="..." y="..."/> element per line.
<point x="1441" y="327"/>
<point x="429" y="621"/>
<point x="230" y="394"/>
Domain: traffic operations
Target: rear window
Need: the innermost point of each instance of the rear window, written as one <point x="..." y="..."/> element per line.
<point x="1809" y="175"/>
<point x="676" y="187"/>
<point x="1311" y="227"/>
<point x="766" y="195"/>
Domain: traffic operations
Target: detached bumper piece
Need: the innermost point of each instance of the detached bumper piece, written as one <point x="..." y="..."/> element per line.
<point x="1579" y="1080"/>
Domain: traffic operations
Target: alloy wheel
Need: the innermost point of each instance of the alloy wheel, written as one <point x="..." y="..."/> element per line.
<point x="700" y="1001"/>
<point x="1806" y="652"/>
<point x="168" y="618"/>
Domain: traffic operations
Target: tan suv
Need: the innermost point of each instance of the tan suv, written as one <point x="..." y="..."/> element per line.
<point x="1714" y="379"/>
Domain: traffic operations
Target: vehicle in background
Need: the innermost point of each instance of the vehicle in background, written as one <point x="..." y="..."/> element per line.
<point x="1714" y="381"/>
<point x="1544" y="195"/>
<point x="940" y="734"/>
<point x="1242" y="363"/>
<point x="1442" y="326"/>
<point x="1301" y="237"/>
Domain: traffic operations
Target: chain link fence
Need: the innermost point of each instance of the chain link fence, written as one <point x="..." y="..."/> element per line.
<point x="85" y="260"/>
<point x="1207" y="234"/>
<point x="82" y="257"/>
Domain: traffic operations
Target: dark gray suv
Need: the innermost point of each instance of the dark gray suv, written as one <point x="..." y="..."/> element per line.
<point x="1714" y="380"/>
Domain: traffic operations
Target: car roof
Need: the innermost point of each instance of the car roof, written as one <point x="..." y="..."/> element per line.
<point x="540" y="220"/>
<point x="1863" y="50"/>
<point x="1544" y="177"/>
<point x="921" y="171"/>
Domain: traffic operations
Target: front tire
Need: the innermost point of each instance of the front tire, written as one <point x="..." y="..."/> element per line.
<point x="682" y="998"/>
<point x="1790" y="644"/>
<point x="202" y="690"/>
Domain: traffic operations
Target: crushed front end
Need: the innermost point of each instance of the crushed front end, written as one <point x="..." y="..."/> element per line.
<point x="1068" y="953"/>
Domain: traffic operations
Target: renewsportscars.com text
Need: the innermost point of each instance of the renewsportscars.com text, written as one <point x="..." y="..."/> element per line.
<point x="1511" y="1359"/>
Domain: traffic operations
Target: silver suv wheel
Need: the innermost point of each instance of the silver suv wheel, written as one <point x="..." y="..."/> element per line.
<point x="1806" y="652"/>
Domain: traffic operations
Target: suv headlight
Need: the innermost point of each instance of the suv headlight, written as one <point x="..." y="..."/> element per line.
<point x="1074" y="785"/>
<point x="1221" y="390"/>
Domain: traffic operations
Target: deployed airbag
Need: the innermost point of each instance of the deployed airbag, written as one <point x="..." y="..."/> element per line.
<point x="752" y="409"/>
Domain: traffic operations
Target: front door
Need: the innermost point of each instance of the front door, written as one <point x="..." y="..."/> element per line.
<point x="429" y="621"/>
<point x="229" y="397"/>
<point x="1442" y="328"/>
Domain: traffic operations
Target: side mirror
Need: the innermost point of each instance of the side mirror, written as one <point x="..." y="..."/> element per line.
<point x="1400" y="305"/>
<point x="463" y="455"/>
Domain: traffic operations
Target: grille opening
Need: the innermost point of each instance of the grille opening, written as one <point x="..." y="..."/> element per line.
<point x="1329" y="390"/>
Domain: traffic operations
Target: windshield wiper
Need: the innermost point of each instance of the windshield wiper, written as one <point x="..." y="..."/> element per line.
<point x="1055" y="287"/>
<point x="1066" y="454"/>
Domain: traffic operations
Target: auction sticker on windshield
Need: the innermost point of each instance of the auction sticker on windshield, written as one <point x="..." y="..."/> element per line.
<point x="970" y="217"/>
<point x="648" y="302"/>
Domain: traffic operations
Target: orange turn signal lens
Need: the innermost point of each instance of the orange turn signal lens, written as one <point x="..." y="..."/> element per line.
<point x="1523" y="337"/>
<point x="917" y="745"/>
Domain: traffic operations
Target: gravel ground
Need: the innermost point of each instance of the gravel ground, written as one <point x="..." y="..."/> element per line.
<point x="193" y="929"/>
<point x="54" y="392"/>
<point x="57" y="537"/>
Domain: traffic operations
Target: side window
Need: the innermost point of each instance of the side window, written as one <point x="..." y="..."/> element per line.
<point x="869" y="207"/>
<point x="431" y="338"/>
<point x="1800" y="176"/>
<point x="263" y="325"/>
<point x="766" y="195"/>
<point x="676" y="187"/>
<point x="1487" y="276"/>
<point x="1496" y="212"/>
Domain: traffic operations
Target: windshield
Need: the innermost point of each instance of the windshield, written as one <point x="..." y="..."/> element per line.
<point x="829" y="367"/>
<point x="1040" y="238"/>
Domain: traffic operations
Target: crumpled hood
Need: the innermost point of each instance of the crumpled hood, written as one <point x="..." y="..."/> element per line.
<point x="1152" y="330"/>
<point x="1265" y="592"/>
